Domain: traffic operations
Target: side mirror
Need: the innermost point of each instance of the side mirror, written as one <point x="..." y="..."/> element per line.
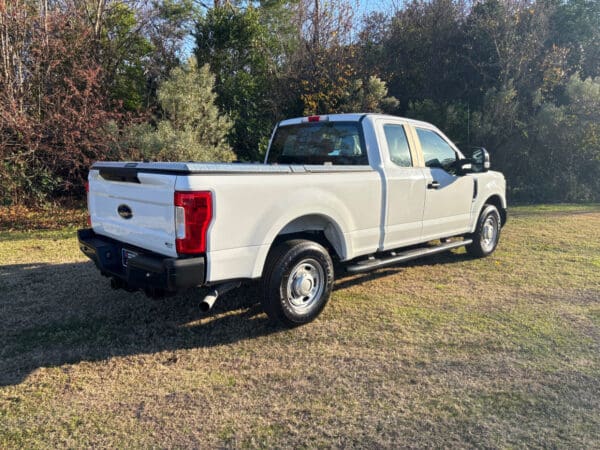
<point x="480" y="160"/>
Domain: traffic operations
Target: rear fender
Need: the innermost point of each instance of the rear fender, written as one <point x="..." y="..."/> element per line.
<point x="327" y="222"/>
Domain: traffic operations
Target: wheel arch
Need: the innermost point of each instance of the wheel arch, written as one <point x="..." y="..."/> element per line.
<point x="318" y="227"/>
<point x="498" y="202"/>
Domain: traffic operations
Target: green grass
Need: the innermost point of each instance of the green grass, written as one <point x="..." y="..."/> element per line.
<point x="444" y="352"/>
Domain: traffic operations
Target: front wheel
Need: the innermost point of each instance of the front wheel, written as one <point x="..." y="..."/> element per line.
<point x="297" y="282"/>
<point x="487" y="233"/>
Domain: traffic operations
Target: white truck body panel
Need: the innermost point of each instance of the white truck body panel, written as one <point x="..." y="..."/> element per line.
<point x="151" y="226"/>
<point x="447" y="209"/>
<point x="361" y="209"/>
<point x="489" y="184"/>
<point x="251" y="210"/>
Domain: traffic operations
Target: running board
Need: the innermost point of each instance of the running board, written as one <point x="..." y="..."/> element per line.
<point x="371" y="264"/>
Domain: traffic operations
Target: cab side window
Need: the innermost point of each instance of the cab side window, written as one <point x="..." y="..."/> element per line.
<point x="436" y="151"/>
<point x="397" y="145"/>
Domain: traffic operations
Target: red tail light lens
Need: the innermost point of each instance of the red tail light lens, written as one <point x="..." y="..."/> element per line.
<point x="314" y="118"/>
<point x="193" y="214"/>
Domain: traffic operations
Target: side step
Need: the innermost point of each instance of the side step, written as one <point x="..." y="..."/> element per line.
<point x="371" y="264"/>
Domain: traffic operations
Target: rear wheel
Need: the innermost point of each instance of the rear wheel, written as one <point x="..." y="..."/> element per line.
<point x="487" y="233"/>
<point x="297" y="282"/>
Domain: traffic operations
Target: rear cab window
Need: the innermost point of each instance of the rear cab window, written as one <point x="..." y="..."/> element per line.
<point x="329" y="143"/>
<point x="397" y="143"/>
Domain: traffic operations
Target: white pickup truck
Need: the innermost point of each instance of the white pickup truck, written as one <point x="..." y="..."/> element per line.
<point x="363" y="190"/>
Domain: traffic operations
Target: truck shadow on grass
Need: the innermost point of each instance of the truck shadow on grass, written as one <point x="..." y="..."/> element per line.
<point x="55" y="314"/>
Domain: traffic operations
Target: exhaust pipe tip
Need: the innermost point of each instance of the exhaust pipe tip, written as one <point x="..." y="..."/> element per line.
<point x="208" y="302"/>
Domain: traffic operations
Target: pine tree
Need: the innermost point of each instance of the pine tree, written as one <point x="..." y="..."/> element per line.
<point x="192" y="128"/>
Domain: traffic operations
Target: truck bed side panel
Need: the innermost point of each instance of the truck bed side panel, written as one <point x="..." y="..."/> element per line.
<point x="251" y="210"/>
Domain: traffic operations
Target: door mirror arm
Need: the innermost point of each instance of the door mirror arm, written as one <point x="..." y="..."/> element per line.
<point x="464" y="166"/>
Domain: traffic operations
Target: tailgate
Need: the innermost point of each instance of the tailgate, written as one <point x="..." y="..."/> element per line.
<point x="137" y="210"/>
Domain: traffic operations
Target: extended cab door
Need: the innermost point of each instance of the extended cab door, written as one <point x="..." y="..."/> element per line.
<point x="448" y="195"/>
<point x="404" y="185"/>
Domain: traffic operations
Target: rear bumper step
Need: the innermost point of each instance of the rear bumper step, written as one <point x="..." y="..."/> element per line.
<point x="145" y="270"/>
<point x="371" y="264"/>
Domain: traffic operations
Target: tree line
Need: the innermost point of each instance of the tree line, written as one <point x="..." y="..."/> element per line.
<point x="86" y="80"/>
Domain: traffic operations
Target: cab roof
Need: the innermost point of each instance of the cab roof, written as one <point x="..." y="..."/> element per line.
<point x="348" y="117"/>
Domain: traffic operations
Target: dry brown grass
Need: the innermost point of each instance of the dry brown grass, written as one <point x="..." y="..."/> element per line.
<point x="446" y="352"/>
<point x="46" y="217"/>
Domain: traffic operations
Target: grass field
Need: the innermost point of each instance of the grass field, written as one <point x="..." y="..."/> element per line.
<point x="445" y="352"/>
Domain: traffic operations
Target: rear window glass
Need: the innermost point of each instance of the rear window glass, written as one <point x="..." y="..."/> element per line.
<point x="397" y="145"/>
<point x="337" y="143"/>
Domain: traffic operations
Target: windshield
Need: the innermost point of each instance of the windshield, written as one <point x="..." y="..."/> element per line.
<point x="337" y="143"/>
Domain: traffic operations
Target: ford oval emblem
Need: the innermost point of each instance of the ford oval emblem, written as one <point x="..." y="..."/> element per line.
<point x="125" y="211"/>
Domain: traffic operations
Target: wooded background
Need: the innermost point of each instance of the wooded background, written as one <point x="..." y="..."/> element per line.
<point x="86" y="80"/>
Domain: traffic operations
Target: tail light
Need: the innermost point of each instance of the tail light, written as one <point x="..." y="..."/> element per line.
<point x="87" y="195"/>
<point x="193" y="214"/>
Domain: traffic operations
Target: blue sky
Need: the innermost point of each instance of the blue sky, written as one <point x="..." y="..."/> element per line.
<point x="385" y="6"/>
<point x="363" y="7"/>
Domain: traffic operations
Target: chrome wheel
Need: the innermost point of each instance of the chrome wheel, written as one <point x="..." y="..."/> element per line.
<point x="305" y="285"/>
<point x="489" y="233"/>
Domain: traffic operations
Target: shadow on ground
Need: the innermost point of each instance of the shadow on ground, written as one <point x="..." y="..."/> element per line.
<point x="55" y="314"/>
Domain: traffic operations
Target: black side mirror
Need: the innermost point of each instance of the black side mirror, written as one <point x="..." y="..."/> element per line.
<point x="479" y="159"/>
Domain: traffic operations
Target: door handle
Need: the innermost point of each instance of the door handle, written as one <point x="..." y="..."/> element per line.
<point x="433" y="185"/>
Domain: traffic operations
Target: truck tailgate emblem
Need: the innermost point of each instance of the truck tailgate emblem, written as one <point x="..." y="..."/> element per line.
<point x="125" y="211"/>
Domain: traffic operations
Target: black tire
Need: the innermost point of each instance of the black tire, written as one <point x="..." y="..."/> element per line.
<point x="487" y="233"/>
<point x="297" y="282"/>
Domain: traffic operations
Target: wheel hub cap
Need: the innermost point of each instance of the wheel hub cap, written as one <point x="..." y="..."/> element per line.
<point x="303" y="284"/>
<point x="489" y="233"/>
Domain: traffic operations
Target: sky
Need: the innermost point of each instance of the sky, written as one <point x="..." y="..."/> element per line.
<point x="386" y="6"/>
<point x="363" y="7"/>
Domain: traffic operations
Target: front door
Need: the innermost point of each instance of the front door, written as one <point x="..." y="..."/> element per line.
<point x="448" y="195"/>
